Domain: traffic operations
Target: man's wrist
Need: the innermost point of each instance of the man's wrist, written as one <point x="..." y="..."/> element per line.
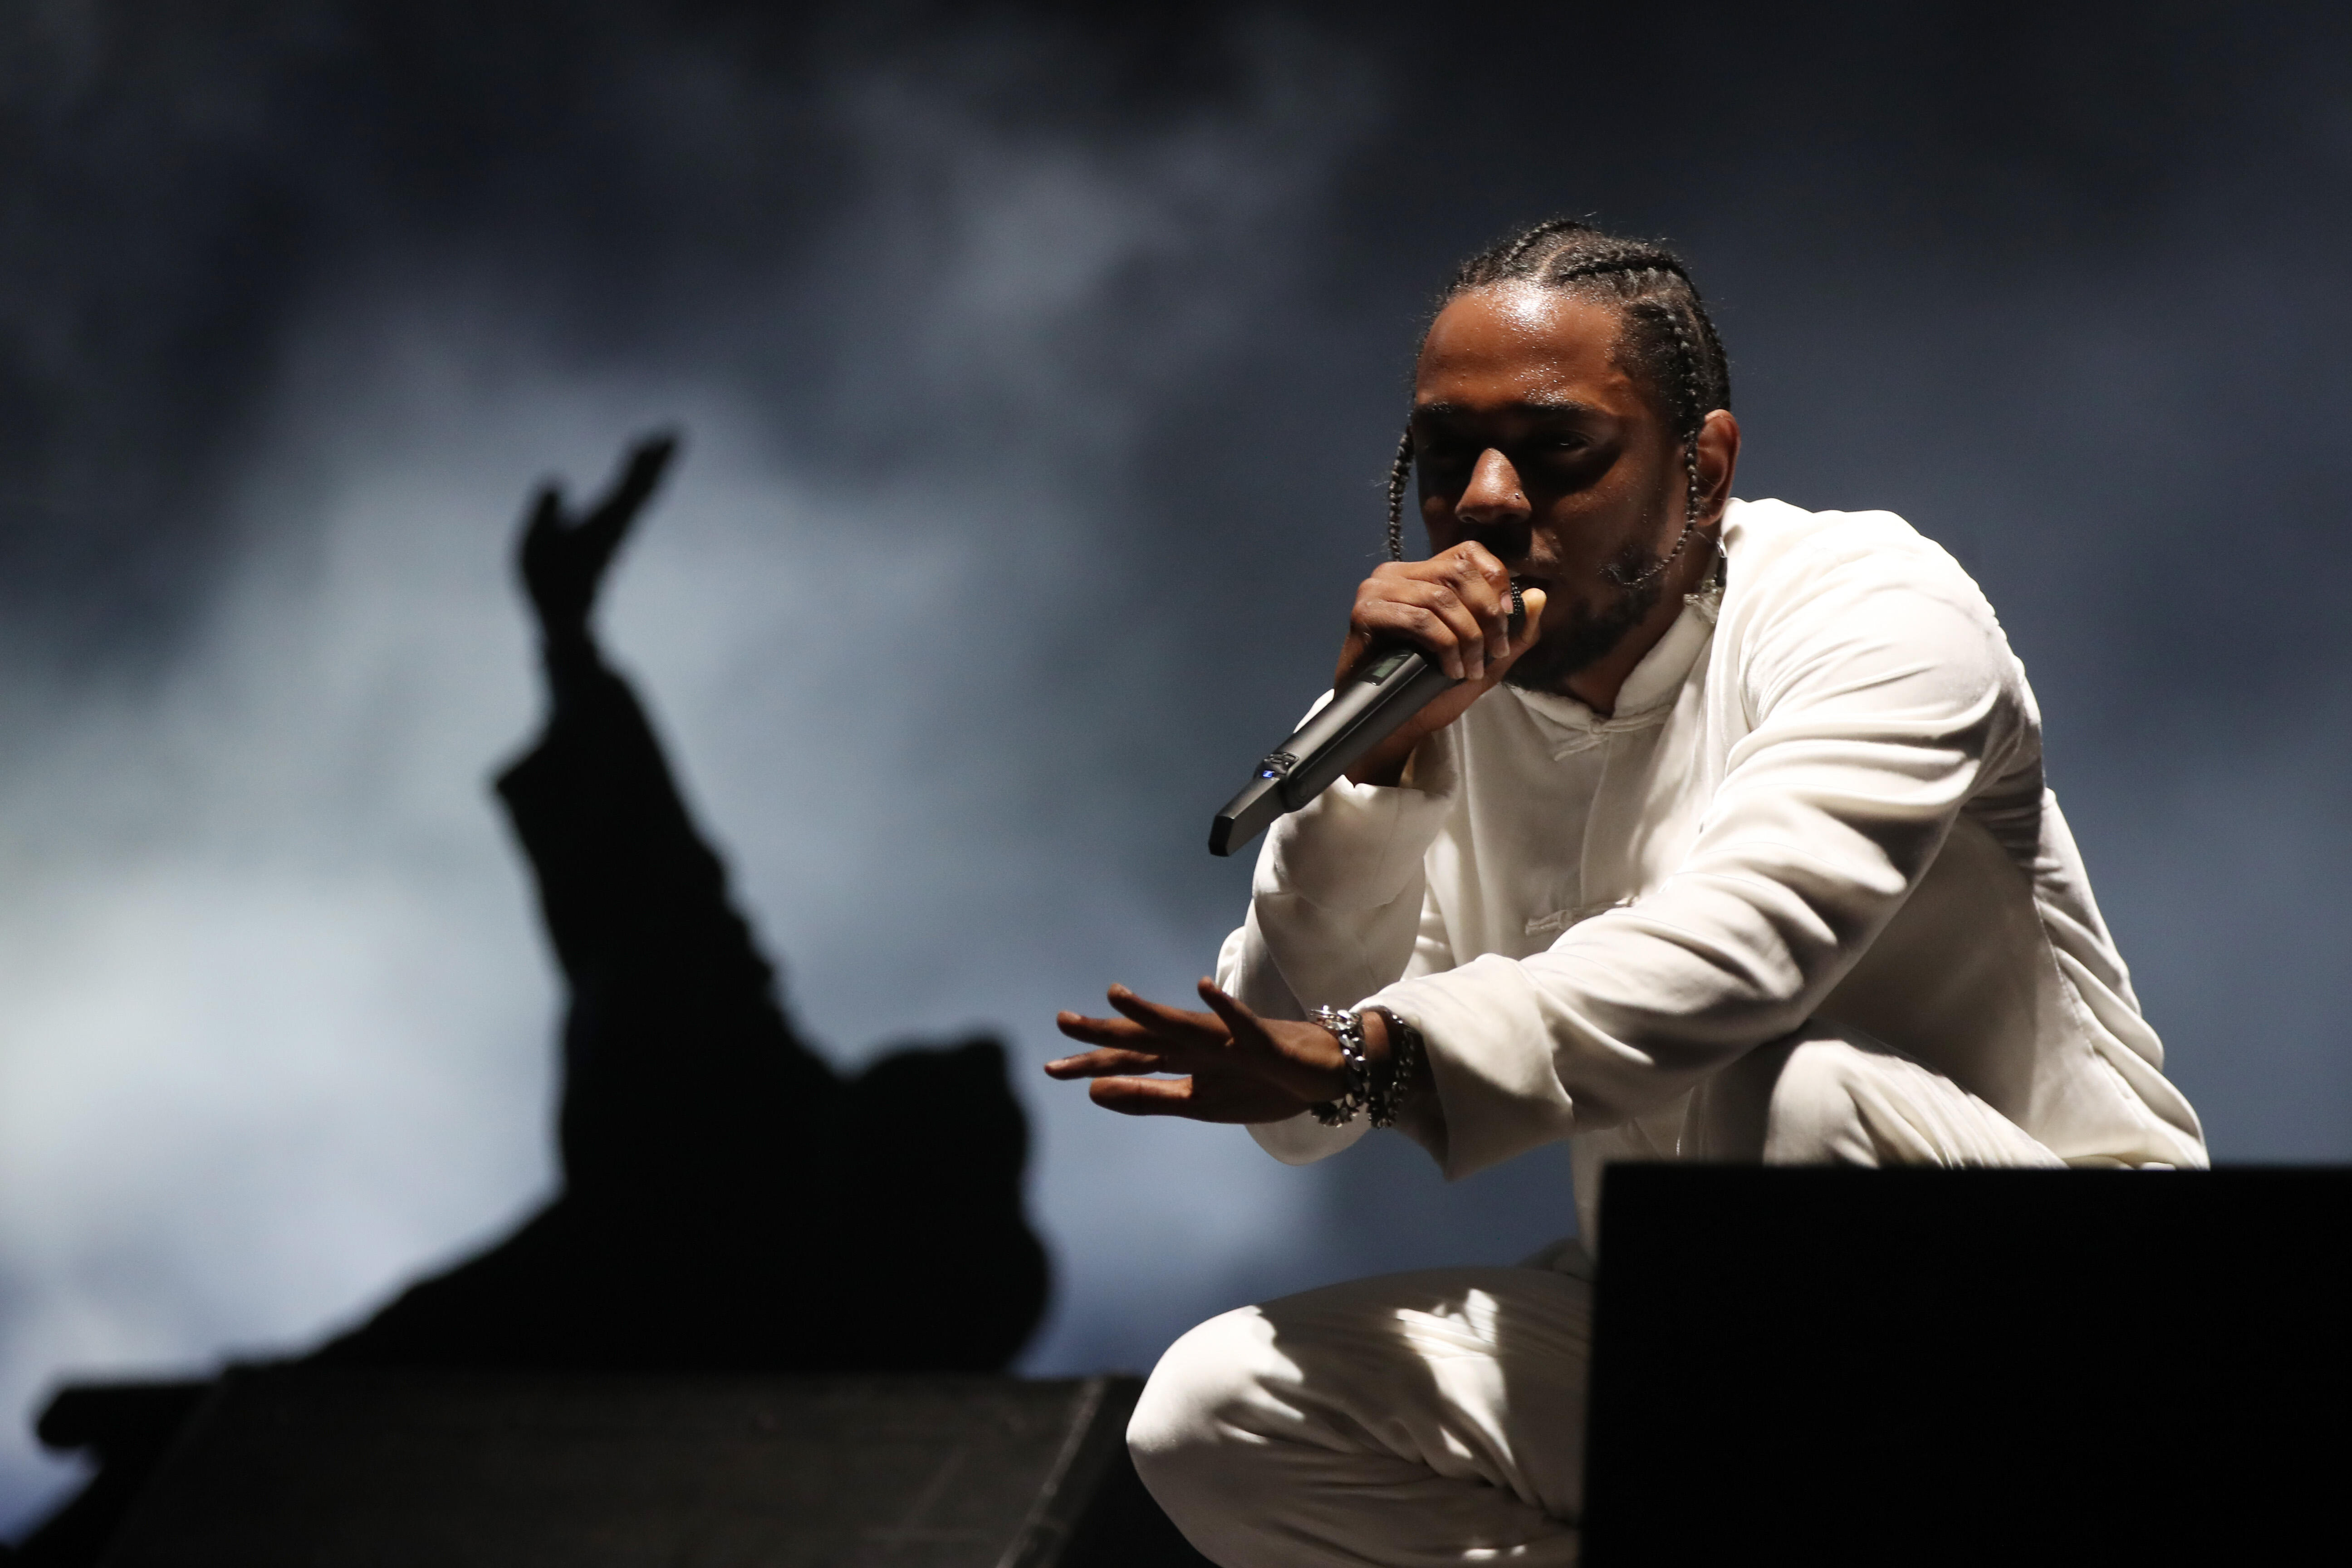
<point x="1400" y="1062"/>
<point x="1356" y="1088"/>
<point x="1381" y="1060"/>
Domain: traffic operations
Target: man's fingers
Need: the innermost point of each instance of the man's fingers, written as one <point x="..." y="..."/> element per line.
<point x="1103" y="1063"/>
<point x="1302" y="1060"/>
<point x="1172" y="1024"/>
<point x="1530" y="629"/>
<point x="1267" y="1081"/>
<point x="1240" y="1023"/>
<point x="1143" y="1096"/>
<point x="1530" y="633"/>
<point x="1124" y="1033"/>
<point x="1198" y="1098"/>
<point x="1174" y="1041"/>
<point x="1483" y="584"/>
<point x="1431" y="616"/>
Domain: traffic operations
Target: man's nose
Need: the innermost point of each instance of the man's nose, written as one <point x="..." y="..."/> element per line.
<point x="1493" y="497"/>
<point x="1494" y="508"/>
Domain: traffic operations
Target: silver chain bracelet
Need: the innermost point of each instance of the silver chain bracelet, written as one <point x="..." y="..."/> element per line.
<point x="1406" y="1050"/>
<point x="1382" y="1101"/>
<point x="1349" y="1028"/>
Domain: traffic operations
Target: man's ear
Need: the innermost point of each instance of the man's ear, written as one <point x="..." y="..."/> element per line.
<point x="1718" y="460"/>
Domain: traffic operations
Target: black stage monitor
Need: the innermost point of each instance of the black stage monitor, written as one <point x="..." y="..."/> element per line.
<point x="1916" y="1367"/>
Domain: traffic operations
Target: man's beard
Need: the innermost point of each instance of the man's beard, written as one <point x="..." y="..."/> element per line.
<point x="1588" y="636"/>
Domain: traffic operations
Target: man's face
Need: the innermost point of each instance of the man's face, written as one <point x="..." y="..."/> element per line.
<point x="1532" y="441"/>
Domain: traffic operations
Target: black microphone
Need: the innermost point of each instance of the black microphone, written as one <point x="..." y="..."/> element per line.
<point x="1393" y="683"/>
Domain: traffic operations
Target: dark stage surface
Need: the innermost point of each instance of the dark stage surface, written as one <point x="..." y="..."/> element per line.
<point x="1039" y="372"/>
<point x="335" y="1468"/>
<point x="1825" y="1366"/>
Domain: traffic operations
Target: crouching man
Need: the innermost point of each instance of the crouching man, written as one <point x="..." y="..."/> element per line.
<point x="1738" y="848"/>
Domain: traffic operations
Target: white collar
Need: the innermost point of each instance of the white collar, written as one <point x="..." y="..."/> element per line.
<point x="1649" y="692"/>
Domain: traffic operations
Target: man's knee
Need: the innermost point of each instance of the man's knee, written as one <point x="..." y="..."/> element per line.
<point x="1791" y="1102"/>
<point x="1187" y="1430"/>
<point x="1827" y="1096"/>
<point x="1815" y="1114"/>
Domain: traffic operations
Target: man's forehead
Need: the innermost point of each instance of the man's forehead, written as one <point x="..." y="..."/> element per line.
<point x="1523" y="344"/>
<point x="1540" y="402"/>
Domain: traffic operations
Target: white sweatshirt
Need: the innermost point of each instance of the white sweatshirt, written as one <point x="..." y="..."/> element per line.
<point x="1821" y="796"/>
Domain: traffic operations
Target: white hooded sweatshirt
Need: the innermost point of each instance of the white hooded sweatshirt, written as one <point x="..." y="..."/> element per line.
<point x="1821" y="795"/>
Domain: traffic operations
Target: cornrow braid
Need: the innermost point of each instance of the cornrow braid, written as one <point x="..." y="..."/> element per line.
<point x="1669" y="346"/>
<point x="1689" y="414"/>
<point x="1400" y="481"/>
<point x="1514" y="252"/>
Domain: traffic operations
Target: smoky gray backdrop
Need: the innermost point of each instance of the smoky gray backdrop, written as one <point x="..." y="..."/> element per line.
<point x="1040" y="373"/>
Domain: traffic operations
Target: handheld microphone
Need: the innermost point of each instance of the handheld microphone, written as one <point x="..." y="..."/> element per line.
<point x="1393" y="683"/>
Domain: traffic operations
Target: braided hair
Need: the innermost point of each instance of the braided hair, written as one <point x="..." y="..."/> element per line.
<point x="1668" y="346"/>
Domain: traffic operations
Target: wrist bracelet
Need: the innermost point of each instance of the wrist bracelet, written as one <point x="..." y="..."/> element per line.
<point x="1349" y="1028"/>
<point x="1406" y="1050"/>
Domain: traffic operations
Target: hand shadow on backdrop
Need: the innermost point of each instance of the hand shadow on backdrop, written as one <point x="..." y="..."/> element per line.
<point x="729" y="1201"/>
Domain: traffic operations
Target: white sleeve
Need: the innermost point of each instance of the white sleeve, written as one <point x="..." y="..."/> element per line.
<point x="1337" y="910"/>
<point x="1880" y="691"/>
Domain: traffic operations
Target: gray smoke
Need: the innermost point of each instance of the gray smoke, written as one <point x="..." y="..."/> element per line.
<point x="1038" y="374"/>
<point x="275" y="1018"/>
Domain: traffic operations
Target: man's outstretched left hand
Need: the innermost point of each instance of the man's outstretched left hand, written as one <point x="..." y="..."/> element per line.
<point x="1236" y="1065"/>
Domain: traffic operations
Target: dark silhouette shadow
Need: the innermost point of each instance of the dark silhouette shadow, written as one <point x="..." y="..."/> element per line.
<point x="730" y="1202"/>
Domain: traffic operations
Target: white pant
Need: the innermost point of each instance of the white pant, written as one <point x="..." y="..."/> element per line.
<point x="1438" y="1417"/>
